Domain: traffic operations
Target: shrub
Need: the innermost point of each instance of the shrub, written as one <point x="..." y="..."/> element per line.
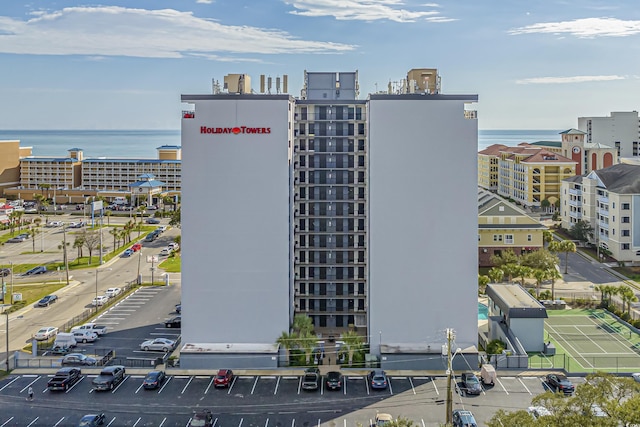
<point x="496" y="347"/>
<point x="625" y="316"/>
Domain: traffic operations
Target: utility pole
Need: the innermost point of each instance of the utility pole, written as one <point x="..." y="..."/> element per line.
<point x="450" y="338"/>
<point x="66" y="259"/>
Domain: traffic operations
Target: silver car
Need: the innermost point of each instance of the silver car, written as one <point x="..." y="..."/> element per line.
<point x="158" y="344"/>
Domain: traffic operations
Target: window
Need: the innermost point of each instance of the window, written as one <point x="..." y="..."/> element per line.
<point x="625" y="220"/>
<point x="625" y="233"/>
<point x="508" y="239"/>
<point x="497" y="237"/>
<point x="625" y="206"/>
<point x="529" y="238"/>
<point x="625" y="246"/>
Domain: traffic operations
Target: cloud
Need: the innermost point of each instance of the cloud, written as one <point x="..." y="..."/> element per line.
<point x="572" y="79"/>
<point x="167" y="33"/>
<point x="584" y="28"/>
<point x="364" y="10"/>
<point x="204" y="1"/>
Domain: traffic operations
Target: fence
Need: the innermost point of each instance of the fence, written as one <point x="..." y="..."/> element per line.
<point x="587" y="364"/>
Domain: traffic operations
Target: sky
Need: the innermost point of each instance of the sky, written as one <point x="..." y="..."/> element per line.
<point x="69" y="64"/>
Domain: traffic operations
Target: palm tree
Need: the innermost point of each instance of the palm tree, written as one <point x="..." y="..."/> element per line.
<point x="13" y="218"/>
<point x="553" y="275"/>
<point x="114" y="232"/>
<point x="628" y="296"/>
<point x="78" y="243"/>
<point x="353" y="342"/>
<point x="483" y="281"/>
<point x="33" y="231"/>
<point x="39" y="198"/>
<point x="565" y="246"/>
<point x="510" y="270"/>
<point x="307" y="341"/>
<point x="302" y="323"/>
<point x="19" y="215"/>
<point x="496" y="275"/>
<point x="108" y="215"/>
<point x="45" y="187"/>
<point x="540" y="276"/>
<point x="523" y="272"/>
<point x="287" y="341"/>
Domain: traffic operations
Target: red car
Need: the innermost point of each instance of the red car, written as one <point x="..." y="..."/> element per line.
<point x="224" y="378"/>
<point x="136" y="247"/>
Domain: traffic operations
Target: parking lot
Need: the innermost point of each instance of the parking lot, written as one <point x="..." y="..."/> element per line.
<point x="254" y="400"/>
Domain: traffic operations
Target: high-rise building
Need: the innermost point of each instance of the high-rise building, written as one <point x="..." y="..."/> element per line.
<point x="619" y="130"/>
<point x="341" y="209"/>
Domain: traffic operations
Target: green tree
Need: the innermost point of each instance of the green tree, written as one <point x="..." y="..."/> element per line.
<point x="565" y="246"/>
<point x="523" y="272"/>
<point x="581" y="230"/>
<point x="506" y="257"/>
<point x="115" y="232"/>
<point x="547" y="236"/>
<point x="510" y="270"/>
<point x="483" y="281"/>
<point x="496" y="275"/>
<point x="545" y="204"/>
<point x="91" y="242"/>
<point x="78" y="243"/>
<point x="541" y="259"/>
<point x="287" y="341"/>
<point x="553" y="275"/>
<point x="306" y="341"/>
<point x="628" y="296"/>
<point x="39" y="198"/>
<point x="33" y="232"/>
<point x="540" y="276"/>
<point x="354" y="343"/>
<point x="175" y="218"/>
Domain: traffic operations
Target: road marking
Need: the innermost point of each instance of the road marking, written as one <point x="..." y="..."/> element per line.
<point x="277" y="384"/>
<point x="32" y="422"/>
<point x="422" y="419"/>
<point x="508" y="378"/>
<point x="137" y="421"/>
<point x="162" y="423"/>
<point x="434" y="386"/>
<point x="234" y="381"/>
<point x="209" y="386"/>
<point x="289" y="377"/>
<point x="29" y="385"/>
<point x="139" y="387"/>
<point x="71" y="388"/>
<point x="412" y="387"/>
<point x="241" y="420"/>
<point x="268" y="377"/>
<point x="29" y="376"/>
<point x="121" y="382"/>
<point x="245" y="377"/>
<point x="266" y="423"/>
<point x="390" y="388"/>
<point x="398" y="378"/>
<point x="525" y="387"/>
<point x="59" y="421"/>
<point x="6" y="422"/>
<point x="111" y="422"/>
<point x="185" y="387"/>
<point x="215" y="422"/>
<point x="502" y="385"/>
<point x="254" y="386"/>
<point x="201" y="377"/>
<point x="293" y="422"/>
<point x="165" y="384"/>
<point x="9" y="383"/>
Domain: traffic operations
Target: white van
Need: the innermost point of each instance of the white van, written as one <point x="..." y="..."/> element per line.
<point x="488" y="374"/>
<point x="120" y="201"/>
<point x="65" y="339"/>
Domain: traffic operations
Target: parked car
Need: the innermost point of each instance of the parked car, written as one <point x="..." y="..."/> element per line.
<point x="538" y="411"/>
<point x="85" y="336"/>
<point x="16" y="239"/>
<point x="59" y="350"/>
<point x="99" y="300"/>
<point x="382" y="419"/>
<point x="179" y="308"/>
<point x="93" y="327"/>
<point x="173" y="246"/>
<point x="174" y="322"/>
<point x="333" y="380"/>
<point x="158" y="344"/>
<point x="469" y="384"/>
<point x="46" y="333"/>
<point x="161" y="228"/>
<point x="92" y="420"/>
<point x="223" y="378"/>
<point x="153" y="221"/>
<point x="136" y="247"/>
<point x="112" y="292"/>
<point x="560" y="383"/>
<point x="311" y="381"/>
<point x="78" y="224"/>
<point x="462" y="418"/>
<point x="64" y="379"/>
<point x="154" y="379"/>
<point x="109" y="377"/>
<point x="636" y="377"/>
<point x="201" y="418"/>
<point x="165" y="252"/>
<point x="378" y="379"/>
<point x="4" y="272"/>
<point x="127" y="253"/>
<point x="78" y="359"/>
<point x="488" y="374"/>
<point x="52" y="224"/>
<point x="47" y="300"/>
<point x="41" y="269"/>
<point x="65" y="339"/>
<point x="150" y="237"/>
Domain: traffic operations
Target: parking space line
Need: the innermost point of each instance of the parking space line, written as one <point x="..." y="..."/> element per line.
<point x="215" y="422"/>
<point x="137" y="421"/>
<point x="165" y="384"/>
<point x="30" y="384"/>
<point x="367" y="384"/>
<point x="111" y="422"/>
<point x="299" y="385"/>
<point x="421" y="378"/>
<point x="139" y="387"/>
<point x="59" y="421"/>
<point x="434" y="386"/>
<point x="77" y="382"/>
<point x="9" y="383"/>
<point x="33" y="422"/>
<point x="6" y="422"/>
<point x="318" y="425"/>
<point x="162" y="423"/>
<point x="277" y="384"/>
<point x="232" y="384"/>
<point x="412" y="387"/>
<point x="121" y="382"/>
<point x="390" y="388"/>
<point x="241" y="420"/>
<point x="422" y="420"/>
<point x="525" y="387"/>
<point x="209" y="386"/>
<point x="502" y="385"/>
<point x="254" y="384"/>
<point x="266" y="423"/>
<point x="185" y="387"/>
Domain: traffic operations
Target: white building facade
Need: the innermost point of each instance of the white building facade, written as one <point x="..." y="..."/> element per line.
<point x="619" y="130"/>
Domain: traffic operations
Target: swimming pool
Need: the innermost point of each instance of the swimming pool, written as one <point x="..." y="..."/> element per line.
<point x="483" y="311"/>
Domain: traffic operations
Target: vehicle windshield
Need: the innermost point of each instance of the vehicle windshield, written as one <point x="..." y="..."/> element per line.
<point x="472" y="380"/>
<point x="87" y="422"/>
<point x="378" y="378"/>
<point x="198" y="421"/>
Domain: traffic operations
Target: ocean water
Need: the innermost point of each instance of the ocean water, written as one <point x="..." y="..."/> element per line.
<point x="143" y="143"/>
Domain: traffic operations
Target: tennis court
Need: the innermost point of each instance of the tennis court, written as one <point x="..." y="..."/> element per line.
<point x="593" y="340"/>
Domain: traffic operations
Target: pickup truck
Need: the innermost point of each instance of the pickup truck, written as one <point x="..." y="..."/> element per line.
<point x="109" y="377"/>
<point x="99" y="330"/>
<point x="64" y="379"/>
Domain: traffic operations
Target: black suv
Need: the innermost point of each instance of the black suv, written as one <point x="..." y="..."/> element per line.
<point x="333" y="381"/>
<point x="560" y="383"/>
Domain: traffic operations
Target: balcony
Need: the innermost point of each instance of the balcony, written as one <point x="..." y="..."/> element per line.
<point x="575" y="192"/>
<point x="575" y="214"/>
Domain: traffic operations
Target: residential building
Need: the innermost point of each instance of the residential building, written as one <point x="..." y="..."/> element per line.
<point x="525" y="173"/>
<point x="10" y="153"/>
<point x="619" y="130"/>
<point x="340" y="182"/>
<point x="503" y="226"/>
<point x="607" y="199"/>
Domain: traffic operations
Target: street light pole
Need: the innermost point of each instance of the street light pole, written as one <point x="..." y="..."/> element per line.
<point x="96" y="300"/>
<point x="7" y="334"/>
<point x="138" y="278"/>
<point x="449" y="415"/>
<point x="66" y="259"/>
<point x="11" y="272"/>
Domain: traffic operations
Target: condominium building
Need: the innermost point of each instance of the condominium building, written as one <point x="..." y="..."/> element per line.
<point x="608" y="200"/>
<point x="54" y="172"/>
<point x="526" y="174"/>
<point x="329" y="206"/>
<point x="620" y="130"/>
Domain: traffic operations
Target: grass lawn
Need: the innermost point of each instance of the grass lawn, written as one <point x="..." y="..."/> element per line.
<point x="33" y="292"/>
<point x="171" y="264"/>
